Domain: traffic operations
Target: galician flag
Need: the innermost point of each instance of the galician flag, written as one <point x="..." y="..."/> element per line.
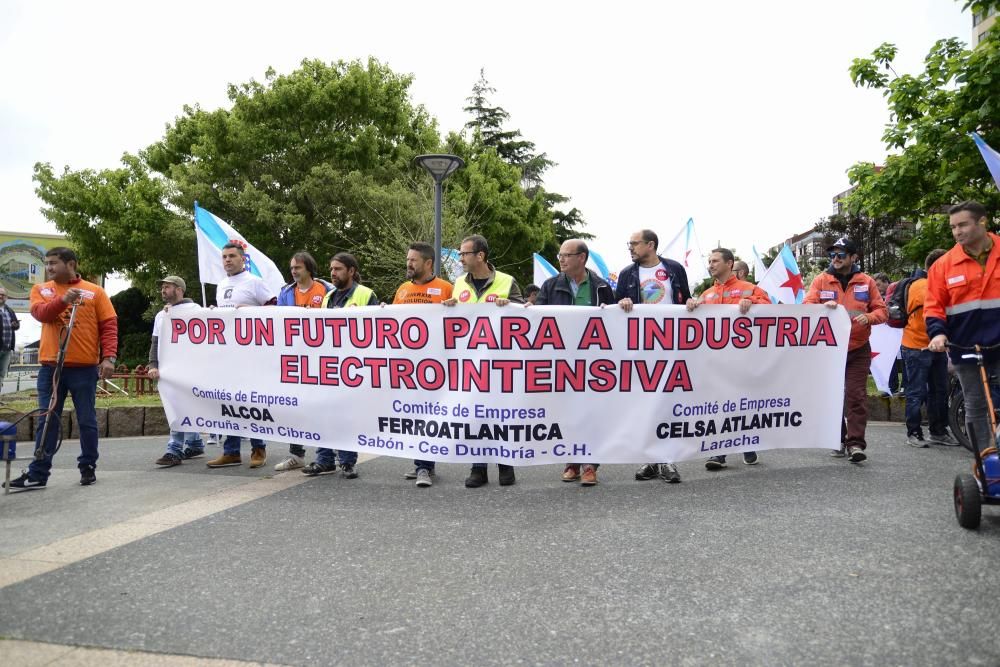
<point x="782" y="280"/>
<point x="684" y="249"/>
<point x="543" y="270"/>
<point x="213" y="232"/>
<point x="991" y="157"/>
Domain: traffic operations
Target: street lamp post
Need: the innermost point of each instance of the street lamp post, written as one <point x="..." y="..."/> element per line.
<point x="439" y="167"/>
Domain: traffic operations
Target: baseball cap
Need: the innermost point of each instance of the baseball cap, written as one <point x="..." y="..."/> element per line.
<point x="175" y="280"/>
<point x="845" y="243"/>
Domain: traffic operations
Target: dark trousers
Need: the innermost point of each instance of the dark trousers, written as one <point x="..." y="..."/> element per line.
<point x="852" y="429"/>
<point x="81" y="384"/>
<point x="977" y="413"/>
<point x="926" y="382"/>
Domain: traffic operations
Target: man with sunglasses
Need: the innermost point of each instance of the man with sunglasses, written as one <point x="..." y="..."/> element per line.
<point x="844" y="284"/>
<point x="656" y="280"/>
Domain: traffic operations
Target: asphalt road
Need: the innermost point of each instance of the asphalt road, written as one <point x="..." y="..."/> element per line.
<point x="803" y="559"/>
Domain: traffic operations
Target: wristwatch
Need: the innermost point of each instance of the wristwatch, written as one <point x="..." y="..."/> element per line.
<point x="113" y="360"/>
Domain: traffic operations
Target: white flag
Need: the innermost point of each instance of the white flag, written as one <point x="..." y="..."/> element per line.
<point x="885" y="342"/>
<point x="213" y="232"/>
<point x="684" y="249"/>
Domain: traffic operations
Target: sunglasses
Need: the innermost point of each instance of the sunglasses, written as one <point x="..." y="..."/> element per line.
<point x="837" y="255"/>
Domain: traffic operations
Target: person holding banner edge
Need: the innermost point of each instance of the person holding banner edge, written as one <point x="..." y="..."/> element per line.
<point x="305" y="291"/>
<point x="482" y="283"/>
<point x="576" y="285"/>
<point x="348" y="292"/>
<point x="239" y="289"/>
<point x="651" y="279"/>
<point x="844" y="284"/>
<point x="729" y="290"/>
<point x="422" y="287"/>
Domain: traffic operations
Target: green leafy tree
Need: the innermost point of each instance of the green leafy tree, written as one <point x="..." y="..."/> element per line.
<point x="134" y="330"/>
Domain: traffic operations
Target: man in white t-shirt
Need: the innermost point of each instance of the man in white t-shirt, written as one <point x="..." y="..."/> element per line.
<point x="240" y="288"/>
<point x="655" y="280"/>
<point x="182" y="445"/>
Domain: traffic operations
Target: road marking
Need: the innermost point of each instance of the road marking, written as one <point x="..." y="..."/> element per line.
<point x="19" y="652"/>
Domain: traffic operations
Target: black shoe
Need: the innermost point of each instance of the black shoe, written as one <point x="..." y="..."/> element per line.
<point x="168" y="460"/>
<point x="317" y="468"/>
<point x="506" y="475"/>
<point x="190" y="453"/>
<point x="669" y="473"/>
<point x="87" y="475"/>
<point x="715" y="463"/>
<point x="25" y="482"/>
<point x="647" y="472"/>
<point x="477" y="477"/>
<point x="348" y="471"/>
<point x="750" y="458"/>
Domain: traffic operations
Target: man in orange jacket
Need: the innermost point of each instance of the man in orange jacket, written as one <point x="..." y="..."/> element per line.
<point x="963" y="307"/>
<point x="844" y="284"/>
<point x="729" y="290"/>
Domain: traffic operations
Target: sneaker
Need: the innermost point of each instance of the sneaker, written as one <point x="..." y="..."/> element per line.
<point x="571" y="473"/>
<point x="87" y="475"/>
<point x="317" y="468"/>
<point x="838" y="453"/>
<point x="588" y="477"/>
<point x="293" y="462"/>
<point x="192" y="453"/>
<point x="348" y="471"/>
<point x="224" y="461"/>
<point x="423" y="477"/>
<point x="505" y="475"/>
<point x="412" y="474"/>
<point x="477" y="478"/>
<point x="258" y="456"/>
<point x="647" y="472"/>
<point x="211" y="440"/>
<point x="168" y="460"/>
<point x="715" y="463"/>
<point x="25" y="482"/>
<point x="943" y="439"/>
<point x="668" y="473"/>
<point x="856" y="454"/>
<point x="750" y="458"/>
<point x="916" y="440"/>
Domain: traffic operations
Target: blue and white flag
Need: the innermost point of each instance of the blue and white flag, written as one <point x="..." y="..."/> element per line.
<point x="782" y="280"/>
<point x="451" y="265"/>
<point x="684" y="248"/>
<point x="991" y="157"/>
<point x="213" y="232"/>
<point x="542" y="270"/>
<point x="758" y="265"/>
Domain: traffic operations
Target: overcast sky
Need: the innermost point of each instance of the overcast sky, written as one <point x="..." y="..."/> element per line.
<point x="738" y="114"/>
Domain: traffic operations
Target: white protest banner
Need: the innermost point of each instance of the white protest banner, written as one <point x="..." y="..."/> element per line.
<point x="513" y="385"/>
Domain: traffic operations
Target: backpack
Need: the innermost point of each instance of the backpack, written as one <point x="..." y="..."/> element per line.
<point x="896" y="298"/>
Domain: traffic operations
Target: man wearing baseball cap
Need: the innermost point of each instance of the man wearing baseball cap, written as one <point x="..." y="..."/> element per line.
<point x="844" y="284"/>
<point x="182" y="445"/>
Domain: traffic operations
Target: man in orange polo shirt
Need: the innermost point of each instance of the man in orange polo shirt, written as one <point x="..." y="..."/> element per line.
<point x="421" y="286"/>
<point x="844" y="284"/>
<point x="90" y="354"/>
<point x="926" y="372"/>
<point x="729" y="290"/>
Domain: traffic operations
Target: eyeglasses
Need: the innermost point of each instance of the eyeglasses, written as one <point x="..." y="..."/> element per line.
<point x="567" y="255"/>
<point x="632" y="244"/>
<point x="837" y="255"/>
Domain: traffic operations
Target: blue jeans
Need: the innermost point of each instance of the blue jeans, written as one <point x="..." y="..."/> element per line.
<point x="977" y="418"/>
<point x="327" y="457"/>
<point x="232" y="444"/>
<point x="426" y="465"/>
<point x="81" y="383"/>
<point x="926" y="381"/>
<point x="178" y="439"/>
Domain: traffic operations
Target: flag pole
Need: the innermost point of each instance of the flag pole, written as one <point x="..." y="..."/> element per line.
<point x="203" y="302"/>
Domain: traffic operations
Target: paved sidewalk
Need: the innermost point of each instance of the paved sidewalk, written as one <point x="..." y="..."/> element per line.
<point x="802" y="559"/>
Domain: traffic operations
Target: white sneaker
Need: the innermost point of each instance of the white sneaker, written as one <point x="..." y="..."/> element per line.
<point x="838" y="453"/>
<point x="291" y="463"/>
<point x="424" y="477"/>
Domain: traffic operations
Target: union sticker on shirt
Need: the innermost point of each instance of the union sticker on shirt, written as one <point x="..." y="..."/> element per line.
<point x="434" y="290"/>
<point x="86" y="294"/>
<point x="827" y="295"/>
<point x="48" y="291"/>
<point x="861" y="292"/>
<point x="956" y="280"/>
<point x="711" y="295"/>
<point x="735" y="292"/>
